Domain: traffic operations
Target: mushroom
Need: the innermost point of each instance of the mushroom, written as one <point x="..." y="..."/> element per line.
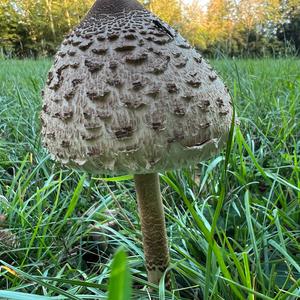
<point x="128" y="94"/>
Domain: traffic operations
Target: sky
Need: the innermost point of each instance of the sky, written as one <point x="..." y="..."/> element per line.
<point x="202" y="2"/>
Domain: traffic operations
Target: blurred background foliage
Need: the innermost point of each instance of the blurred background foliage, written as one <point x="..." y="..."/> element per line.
<point x="244" y="28"/>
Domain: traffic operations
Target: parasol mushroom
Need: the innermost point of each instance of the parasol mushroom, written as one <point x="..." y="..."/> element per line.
<point x="127" y="94"/>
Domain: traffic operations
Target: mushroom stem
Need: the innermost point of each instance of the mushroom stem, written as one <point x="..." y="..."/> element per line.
<point x="153" y="226"/>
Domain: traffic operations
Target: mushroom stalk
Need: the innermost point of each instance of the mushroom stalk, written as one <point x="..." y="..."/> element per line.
<point x="152" y="217"/>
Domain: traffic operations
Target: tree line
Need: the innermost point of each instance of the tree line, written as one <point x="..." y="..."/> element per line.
<point x="231" y="27"/>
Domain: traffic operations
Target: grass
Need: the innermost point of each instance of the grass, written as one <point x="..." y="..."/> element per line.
<point x="233" y="221"/>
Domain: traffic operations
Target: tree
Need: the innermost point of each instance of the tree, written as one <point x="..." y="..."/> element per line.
<point x="193" y="25"/>
<point x="36" y="27"/>
<point x="247" y="27"/>
<point x="289" y="31"/>
<point x="220" y="24"/>
<point x="9" y="26"/>
<point x="168" y="10"/>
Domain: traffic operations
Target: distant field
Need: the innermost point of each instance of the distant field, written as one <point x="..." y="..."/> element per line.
<point x="256" y="252"/>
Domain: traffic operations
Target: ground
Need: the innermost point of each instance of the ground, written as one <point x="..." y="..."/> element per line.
<point x="234" y="234"/>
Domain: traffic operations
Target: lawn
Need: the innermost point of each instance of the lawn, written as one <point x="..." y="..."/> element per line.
<point x="60" y="228"/>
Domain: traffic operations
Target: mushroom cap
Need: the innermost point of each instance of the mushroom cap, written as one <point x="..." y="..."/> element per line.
<point x="128" y="94"/>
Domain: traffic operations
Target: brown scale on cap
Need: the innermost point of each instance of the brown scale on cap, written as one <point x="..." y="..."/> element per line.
<point x="172" y="87"/>
<point x="179" y="109"/>
<point x="130" y="36"/>
<point x="70" y="93"/>
<point x="55" y="83"/>
<point x="123" y="132"/>
<point x="156" y="120"/>
<point x="94" y="151"/>
<point x="104" y="114"/>
<point x="65" y="42"/>
<point x="50" y="78"/>
<point x="212" y="77"/>
<point x="114" y="80"/>
<point x="188" y="96"/>
<point x="181" y="62"/>
<point x="133" y="102"/>
<point x="184" y="45"/>
<point x="71" y="52"/>
<point x="92" y="123"/>
<point x="50" y="135"/>
<point x="193" y="79"/>
<point x="224" y="112"/>
<point x="85" y="45"/>
<point x="93" y="66"/>
<point x="74" y="65"/>
<point x="141" y="42"/>
<point x="65" y="144"/>
<point x="61" y="54"/>
<point x="158" y="66"/>
<point x="220" y="102"/>
<point x="76" y="42"/>
<point x="88" y="112"/>
<point x="153" y="89"/>
<point x="90" y="136"/>
<point x="125" y="46"/>
<point x="204" y="105"/>
<point x="76" y="81"/>
<point x="205" y="125"/>
<point x="45" y="108"/>
<point x="101" y="37"/>
<point x="137" y="58"/>
<point x="161" y="40"/>
<point x="130" y="149"/>
<point x="56" y="100"/>
<point x="139" y="82"/>
<point x="198" y="60"/>
<point x="98" y="96"/>
<point x="113" y="36"/>
<point x="61" y="68"/>
<point x="66" y="114"/>
<point x="113" y="65"/>
<point x="100" y="50"/>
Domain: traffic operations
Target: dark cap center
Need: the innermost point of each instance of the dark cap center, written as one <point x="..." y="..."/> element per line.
<point x="114" y="7"/>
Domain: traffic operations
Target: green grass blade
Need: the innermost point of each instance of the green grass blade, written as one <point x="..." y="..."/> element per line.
<point x="40" y="282"/>
<point x="120" y="281"/>
<point x="73" y="202"/>
<point x="286" y="256"/>
<point x="25" y="296"/>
